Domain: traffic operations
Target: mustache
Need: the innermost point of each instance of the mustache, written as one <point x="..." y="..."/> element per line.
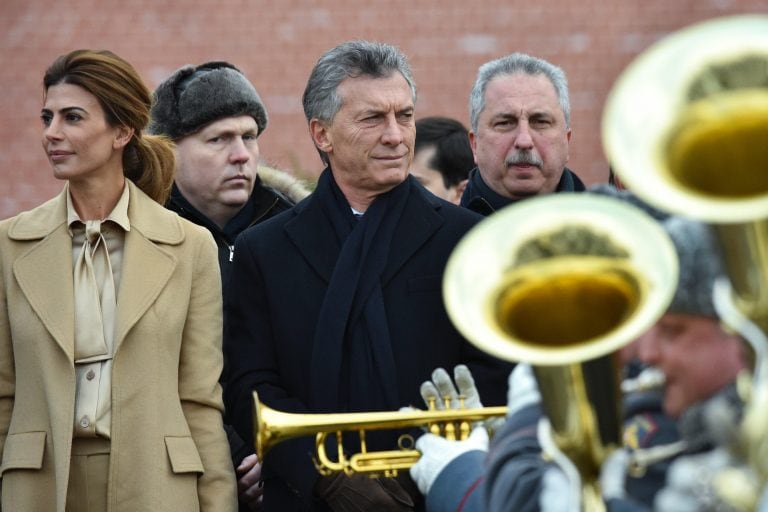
<point x="524" y="158"/>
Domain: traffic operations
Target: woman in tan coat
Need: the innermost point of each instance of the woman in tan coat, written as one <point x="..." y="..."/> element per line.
<point x="110" y="318"/>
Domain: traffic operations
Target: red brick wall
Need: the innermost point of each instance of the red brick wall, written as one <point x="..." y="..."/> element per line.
<point x="277" y="42"/>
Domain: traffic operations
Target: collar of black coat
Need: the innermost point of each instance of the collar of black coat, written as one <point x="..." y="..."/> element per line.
<point x="310" y="231"/>
<point x="260" y="203"/>
<point x="479" y="197"/>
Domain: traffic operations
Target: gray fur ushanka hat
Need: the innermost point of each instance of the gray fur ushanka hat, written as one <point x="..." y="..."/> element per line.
<point x="195" y="96"/>
<point x="700" y="266"/>
<point x="698" y="255"/>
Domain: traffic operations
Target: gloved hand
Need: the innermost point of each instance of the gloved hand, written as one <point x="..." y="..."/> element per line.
<point x="555" y="489"/>
<point x="762" y="504"/>
<point x="613" y="474"/>
<point x="441" y="389"/>
<point x="690" y="483"/>
<point x="561" y="482"/>
<point x="361" y="493"/>
<point x="437" y="452"/>
<point x="523" y="390"/>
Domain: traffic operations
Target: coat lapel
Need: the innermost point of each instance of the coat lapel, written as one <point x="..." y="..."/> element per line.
<point x="417" y="224"/>
<point x="312" y="234"/>
<point x="146" y="270"/>
<point x="44" y="275"/>
<point x="147" y="267"/>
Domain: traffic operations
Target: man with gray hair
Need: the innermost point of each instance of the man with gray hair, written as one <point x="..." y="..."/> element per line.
<point x="520" y="119"/>
<point x="336" y="306"/>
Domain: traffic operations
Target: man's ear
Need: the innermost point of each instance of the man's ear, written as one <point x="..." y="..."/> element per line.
<point x="473" y="145"/>
<point x="123" y="136"/>
<point x="320" y="135"/>
<point x="458" y="191"/>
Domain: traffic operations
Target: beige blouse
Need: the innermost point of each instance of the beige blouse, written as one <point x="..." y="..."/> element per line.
<point x="93" y="400"/>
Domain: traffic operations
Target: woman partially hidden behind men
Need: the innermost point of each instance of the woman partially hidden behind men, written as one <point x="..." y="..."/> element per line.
<point x="110" y="318"/>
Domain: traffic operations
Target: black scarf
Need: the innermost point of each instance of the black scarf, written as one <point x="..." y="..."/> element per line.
<point x="353" y="368"/>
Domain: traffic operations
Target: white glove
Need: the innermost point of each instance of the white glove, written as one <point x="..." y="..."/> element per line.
<point x="561" y="483"/>
<point x="523" y="390"/>
<point x="437" y="452"/>
<point x="613" y="474"/>
<point x="555" y="489"/>
<point x="441" y="389"/>
<point x="762" y="505"/>
<point x="689" y="483"/>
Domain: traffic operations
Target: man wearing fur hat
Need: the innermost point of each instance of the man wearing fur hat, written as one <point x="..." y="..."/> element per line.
<point x="701" y="361"/>
<point x="214" y="115"/>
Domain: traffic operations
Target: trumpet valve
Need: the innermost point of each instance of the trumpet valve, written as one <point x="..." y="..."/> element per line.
<point x="433" y="427"/>
<point x="464" y="427"/>
<point x="464" y="430"/>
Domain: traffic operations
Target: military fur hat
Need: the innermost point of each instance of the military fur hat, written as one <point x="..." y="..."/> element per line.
<point x="604" y="189"/>
<point x="698" y="255"/>
<point x="196" y="96"/>
<point x="700" y="266"/>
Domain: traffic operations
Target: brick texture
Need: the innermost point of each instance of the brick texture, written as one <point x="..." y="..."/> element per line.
<point x="276" y="43"/>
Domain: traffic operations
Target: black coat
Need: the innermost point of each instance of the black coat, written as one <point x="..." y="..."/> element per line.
<point x="263" y="203"/>
<point x="281" y="272"/>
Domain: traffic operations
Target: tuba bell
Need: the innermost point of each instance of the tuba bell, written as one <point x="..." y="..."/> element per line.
<point x="685" y="127"/>
<point x="562" y="282"/>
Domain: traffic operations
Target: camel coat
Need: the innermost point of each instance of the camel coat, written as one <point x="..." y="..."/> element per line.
<point x="168" y="447"/>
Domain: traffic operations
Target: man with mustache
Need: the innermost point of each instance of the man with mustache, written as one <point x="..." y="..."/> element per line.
<point x="520" y="131"/>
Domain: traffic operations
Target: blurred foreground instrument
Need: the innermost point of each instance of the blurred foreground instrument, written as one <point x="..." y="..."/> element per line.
<point x="562" y="282"/>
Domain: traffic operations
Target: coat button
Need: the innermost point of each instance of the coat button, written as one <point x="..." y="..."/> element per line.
<point x="90" y="375"/>
<point x="85" y="422"/>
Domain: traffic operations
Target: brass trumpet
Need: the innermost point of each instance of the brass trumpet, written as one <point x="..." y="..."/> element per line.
<point x="271" y="427"/>
<point x="685" y="128"/>
<point x="562" y="282"/>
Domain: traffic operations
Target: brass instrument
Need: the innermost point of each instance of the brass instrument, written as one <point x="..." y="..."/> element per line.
<point x="562" y="282"/>
<point x="685" y="128"/>
<point x="271" y="427"/>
